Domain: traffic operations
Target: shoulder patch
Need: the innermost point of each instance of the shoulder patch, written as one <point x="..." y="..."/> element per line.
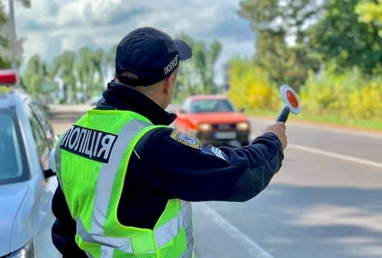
<point x="218" y="153"/>
<point x="214" y="151"/>
<point x="185" y="139"/>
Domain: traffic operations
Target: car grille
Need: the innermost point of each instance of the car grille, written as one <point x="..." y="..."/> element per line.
<point x="224" y="127"/>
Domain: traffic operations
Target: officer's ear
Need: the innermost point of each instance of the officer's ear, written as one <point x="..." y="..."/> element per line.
<point x="169" y="83"/>
<point x="167" y="86"/>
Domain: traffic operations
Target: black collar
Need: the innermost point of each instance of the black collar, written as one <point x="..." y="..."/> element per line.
<point x="121" y="97"/>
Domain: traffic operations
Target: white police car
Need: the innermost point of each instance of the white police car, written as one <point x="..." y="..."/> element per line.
<point x="26" y="183"/>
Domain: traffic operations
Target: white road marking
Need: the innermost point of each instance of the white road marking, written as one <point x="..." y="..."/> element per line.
<point x="254" y="249"/>
<point x="335" y="155"/>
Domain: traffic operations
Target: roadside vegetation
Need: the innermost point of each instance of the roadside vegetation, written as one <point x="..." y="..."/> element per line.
<point x="330" y="52"/>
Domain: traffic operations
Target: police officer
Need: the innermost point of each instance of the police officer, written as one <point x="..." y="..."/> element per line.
<point x="126" y="178"/>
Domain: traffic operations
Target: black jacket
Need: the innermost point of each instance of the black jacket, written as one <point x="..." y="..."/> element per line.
<point x="164" y="168"/>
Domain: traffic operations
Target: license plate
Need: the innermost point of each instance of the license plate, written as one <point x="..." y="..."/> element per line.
<point x="225" y="135"/>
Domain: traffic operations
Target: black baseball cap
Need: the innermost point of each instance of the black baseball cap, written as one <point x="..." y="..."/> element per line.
<point x="149" y="54"/>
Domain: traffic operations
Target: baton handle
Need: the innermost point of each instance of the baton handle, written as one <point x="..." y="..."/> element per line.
<point x="283" y="115"/>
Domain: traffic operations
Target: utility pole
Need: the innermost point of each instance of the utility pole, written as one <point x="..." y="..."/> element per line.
<point x="12" y="25"/>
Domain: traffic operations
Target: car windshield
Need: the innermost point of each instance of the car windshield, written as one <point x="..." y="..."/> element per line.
<point x="211" y="105"/>
<point x="11" y="154"/>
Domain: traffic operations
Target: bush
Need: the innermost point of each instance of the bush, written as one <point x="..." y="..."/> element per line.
<point x="250" y="87"/>
<point x="347" y="95"/>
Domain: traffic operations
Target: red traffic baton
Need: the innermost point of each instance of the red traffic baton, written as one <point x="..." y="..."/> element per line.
<point x="291" y="102"/>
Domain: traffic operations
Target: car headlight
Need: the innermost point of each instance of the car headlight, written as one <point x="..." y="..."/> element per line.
<point x="242" y="126"/>
<point x="205" y="127"/>
<point x="27" y="251"/>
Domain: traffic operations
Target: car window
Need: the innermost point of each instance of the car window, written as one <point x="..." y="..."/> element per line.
<point x="39" y="135"/>
<point x="211" y="105"/>
<point x="223" y="106"/>
<point x="44" y="123"/>
<point x="13" y="165"/>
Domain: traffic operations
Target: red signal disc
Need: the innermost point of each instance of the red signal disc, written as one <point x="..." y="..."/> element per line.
<point x="292" y="98"/>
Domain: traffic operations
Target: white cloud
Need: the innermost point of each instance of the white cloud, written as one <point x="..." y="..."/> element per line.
<point x="52" y="26"/>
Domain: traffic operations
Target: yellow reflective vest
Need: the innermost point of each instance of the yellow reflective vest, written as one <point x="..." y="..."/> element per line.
<point x="91" y="163"/>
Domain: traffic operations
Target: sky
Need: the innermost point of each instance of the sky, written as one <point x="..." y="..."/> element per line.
<point x="52" y="26"/>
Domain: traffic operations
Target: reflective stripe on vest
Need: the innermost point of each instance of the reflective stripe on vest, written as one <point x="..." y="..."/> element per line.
<point x="163" y="234"/>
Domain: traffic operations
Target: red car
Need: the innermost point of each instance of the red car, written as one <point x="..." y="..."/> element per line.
<point x="213" y="119"/>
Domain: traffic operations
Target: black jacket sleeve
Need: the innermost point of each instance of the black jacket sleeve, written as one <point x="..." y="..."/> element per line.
<point x="178" y="166"/>
<point x="64" y="228"/>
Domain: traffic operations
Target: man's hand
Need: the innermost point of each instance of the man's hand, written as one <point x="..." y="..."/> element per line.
<point x="279" y="130"/>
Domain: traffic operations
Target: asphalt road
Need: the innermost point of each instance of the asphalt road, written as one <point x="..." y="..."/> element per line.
<point x="326" y="201"/>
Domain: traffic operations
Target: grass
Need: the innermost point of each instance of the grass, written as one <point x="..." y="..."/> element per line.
<point x="328" y="119"/>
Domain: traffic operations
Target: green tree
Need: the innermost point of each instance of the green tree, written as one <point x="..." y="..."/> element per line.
<point x="80" y="74"/>
<point x="110" y="56"/>
<point x="35" y="75"/>
<point x="370" y="12"/>
<point x="341" y="38"/>
<point x="196" y="76"/>
<point x="4" y="40"/>
<point x="63" y="70"/>
<point x="100" y="62"/>
<point x="281" y="35"/>
<point x="25" y="3"/>
<point x="89" y="71"/>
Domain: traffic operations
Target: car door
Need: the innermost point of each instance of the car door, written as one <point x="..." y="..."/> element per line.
<point x="44" y="138"/>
